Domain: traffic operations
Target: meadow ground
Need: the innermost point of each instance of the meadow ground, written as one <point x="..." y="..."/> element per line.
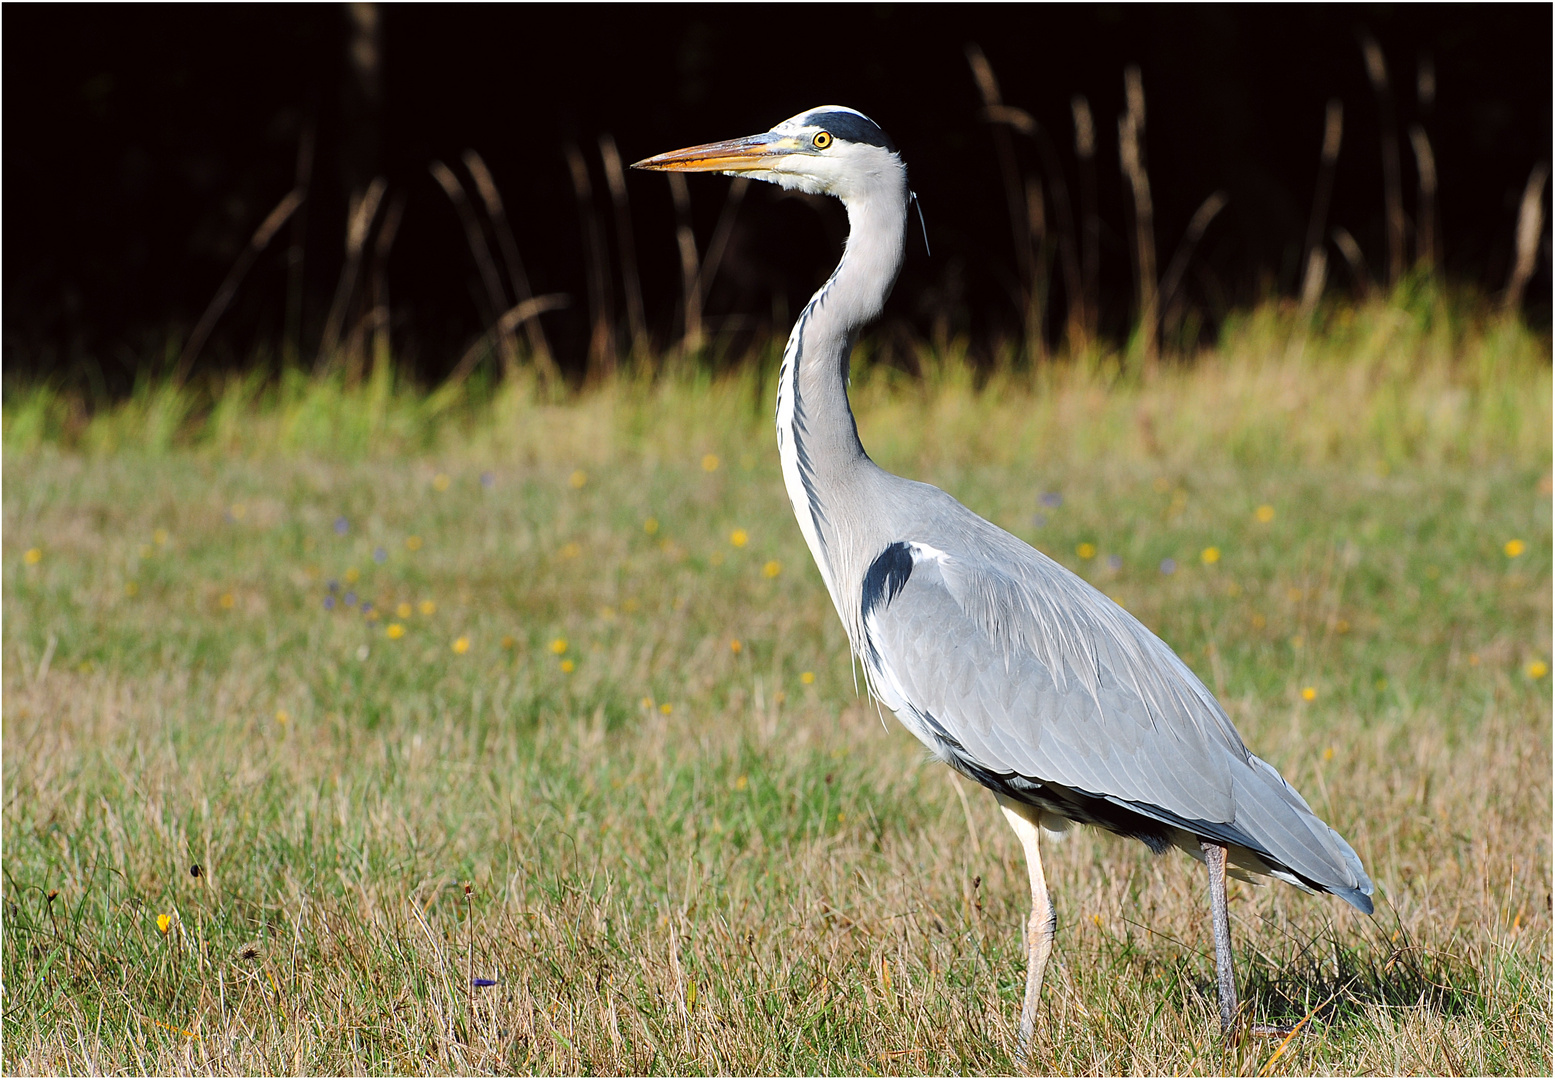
<point x="589" y="788"/>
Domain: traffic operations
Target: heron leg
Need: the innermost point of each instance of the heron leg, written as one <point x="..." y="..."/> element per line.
<point x="1039" y="929"/>
<point x="1225" y="971"/>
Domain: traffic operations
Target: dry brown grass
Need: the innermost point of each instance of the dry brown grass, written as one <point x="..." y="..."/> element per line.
<point x="765" y="878"/>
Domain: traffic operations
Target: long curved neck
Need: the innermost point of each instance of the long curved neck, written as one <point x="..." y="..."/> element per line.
<point x="818" y="440"/>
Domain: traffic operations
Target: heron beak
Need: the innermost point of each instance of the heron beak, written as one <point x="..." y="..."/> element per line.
<point x="752" y="153"/>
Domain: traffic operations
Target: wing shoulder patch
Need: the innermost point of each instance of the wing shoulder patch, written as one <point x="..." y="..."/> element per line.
<point x="886" y="577"/>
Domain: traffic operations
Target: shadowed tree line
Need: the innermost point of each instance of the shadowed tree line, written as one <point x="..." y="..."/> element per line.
<point x="195" y="191"/>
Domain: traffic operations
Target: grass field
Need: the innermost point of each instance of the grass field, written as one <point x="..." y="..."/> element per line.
<point x="597" y="742"/>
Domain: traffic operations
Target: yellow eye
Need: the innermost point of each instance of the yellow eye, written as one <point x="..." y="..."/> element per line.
<point x="822" y="140"/>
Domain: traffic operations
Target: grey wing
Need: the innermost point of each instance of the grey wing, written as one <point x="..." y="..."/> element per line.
<point x="1024" y="670"/>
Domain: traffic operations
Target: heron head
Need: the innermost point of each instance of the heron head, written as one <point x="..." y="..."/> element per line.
<point x="831" y="150"/>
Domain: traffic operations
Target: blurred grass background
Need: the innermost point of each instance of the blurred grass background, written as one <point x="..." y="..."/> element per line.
<point x="356" y="727"/>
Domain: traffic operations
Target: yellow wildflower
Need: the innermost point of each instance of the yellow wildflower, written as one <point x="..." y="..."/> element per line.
<point x="1514" y="548"/>
<point x="1328" y="753"/>
<point x="666" y="708"/>
<point x="413" y="543"/>
<point x="33" y="557"/>
<point x="428" y="607"/>
<point x="351" y="575"/>
<point x="772" y="568"/>
<point x="735" y="646"/>
<point x="395" y="631"/>
<point x="739" y="537"/>
<point x="709" y="462"/>
<point x="403" y="610"/>
<point x="160" y="536"/>
<point x="461" y="645"/>
<point x="282" y="716"/>
<point x="568" y="666"/>
<point x="1264" y="514"/>
<point x="1538" y="669"/>
<point x="131" y="588"/>
<point x="441" y="481"/>
<point x="578" y="478"/>
<point x="228" y="601"/>
<point x="807" y="677"/>
<point x="559" y="646"/>
<point x="741" y="783"/>
<point x="1086" y="550"/>
<point x="1210" y="555"/>
<point x="651" y="526"/>
<point x="571" y="550"/>
<point x="164" y="923"/>
<point x="509" y="641"/>
<point x="1309" y="693"/>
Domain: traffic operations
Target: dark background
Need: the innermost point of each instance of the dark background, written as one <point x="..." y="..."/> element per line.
<point x="144" y="144"/>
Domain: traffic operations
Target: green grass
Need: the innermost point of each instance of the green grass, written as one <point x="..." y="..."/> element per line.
<point x="687" y="858"/>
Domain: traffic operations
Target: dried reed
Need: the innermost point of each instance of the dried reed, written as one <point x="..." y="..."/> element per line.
<point x="719" y="244"/>
<point x="1392" y="183"/>
<point x="602" y="350"/>
<point x="1190" y="239"/>
<point x="1131" y="138"/>
<point x="382" y="246"/>
<point x="364" y="208"/>
<point x="615" y="177"/>
<point x="229" y="285"/>
<point x="1315" y="257"/>
<point x="691" y="341"/>
<point x="1425" y="211"/>
<point x="1530" y="226"/>
<point x="511" y="320"/>
<point x="1354" y="257"/>
<point x="484" y="264"/>
<point x="1014" y="192"/>
<point x="1090" y="222"/>
<point x="486" y="186"/>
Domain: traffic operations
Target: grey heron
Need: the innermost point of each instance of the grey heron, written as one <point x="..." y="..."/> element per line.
<point x="1012" y="670"/>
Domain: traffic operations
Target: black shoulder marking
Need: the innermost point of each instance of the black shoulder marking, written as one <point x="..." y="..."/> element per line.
<point x="853" y="128"/>
<point x="886" y="576"/>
